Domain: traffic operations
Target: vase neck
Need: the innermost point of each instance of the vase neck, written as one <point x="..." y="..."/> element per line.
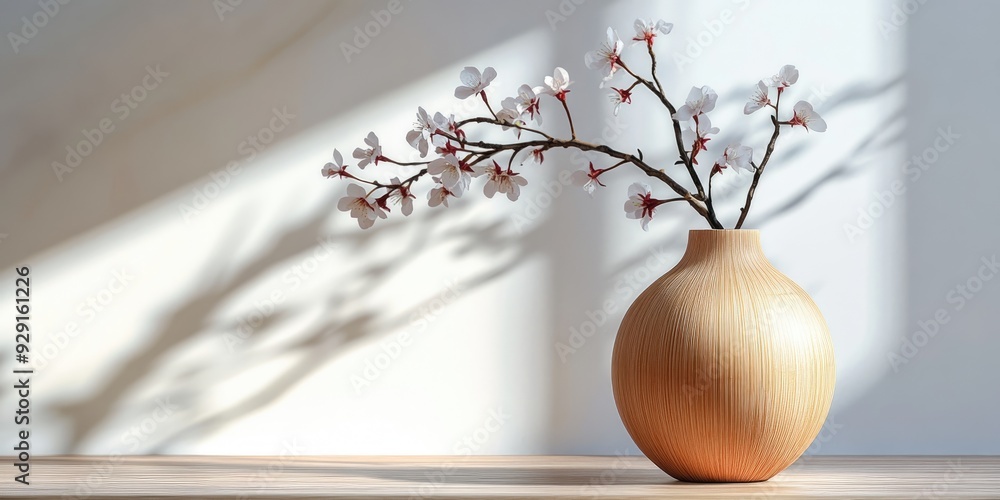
<point x="726" y="244"/>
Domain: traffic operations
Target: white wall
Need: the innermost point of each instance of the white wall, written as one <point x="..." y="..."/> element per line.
<point x="481" y="300"/>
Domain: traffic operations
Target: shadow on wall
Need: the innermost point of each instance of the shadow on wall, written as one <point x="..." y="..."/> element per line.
<point x="938" y="394"/>
<point x="215" y="90"/>
<point x="312" y="346"/>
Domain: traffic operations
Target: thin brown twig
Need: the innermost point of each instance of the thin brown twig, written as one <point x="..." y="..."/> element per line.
<point x="759" y="170"/>
<point x="494" y="121"/>
<point x="404" y="163"/>
<point x="569" y="117"/>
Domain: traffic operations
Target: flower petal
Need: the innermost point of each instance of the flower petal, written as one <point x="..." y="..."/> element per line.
<point x="355" y="191"/>
<point x="817" y="124"/>
<point x="490" y="189"/>
<point x="562" y="77"/>
<point x="638" y="189"/>
<point x="464" y="92"/>
<point x="580" y="178"/>
<point x="449" y="177"/>
<point x="471" y="76"/>
<point x="488" y="75"/>
<point x="345" y="204"/>
<point x="513" y="192"/>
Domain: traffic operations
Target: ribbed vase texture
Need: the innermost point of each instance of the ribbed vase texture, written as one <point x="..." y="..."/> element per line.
<point x="723" y="368"/>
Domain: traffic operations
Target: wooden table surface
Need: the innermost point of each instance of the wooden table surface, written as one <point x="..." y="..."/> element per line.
<point x="490" y="477"/>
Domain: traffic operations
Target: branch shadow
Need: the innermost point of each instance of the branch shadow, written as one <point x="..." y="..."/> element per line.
<point x="313" y="345"/>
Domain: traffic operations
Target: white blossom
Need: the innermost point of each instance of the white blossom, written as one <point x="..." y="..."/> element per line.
<point x="640" y="204"/>
<point x="526" y="102"/>
<point x="402" y="196"/>
<point x="474" y="82"/>
<point x="440" y="194"/>
<point x="422" y="130"/>
<point x="372" y="154"/>
<point x="336" y="167"/>
<point x="449" y="170"/>
<point x="357" y="203"/>
<point x="805" y="115"/>
<point x="619" y="97"/>
<point x="697" y="138"/>
<point x="758" y="100"/>
<point x="737" y="157"/>
<point x="646" y="30"/>
<point x="786" y="76"/>
<point x="587" y="179"/>
<point x="535" y="155"/>
<point x="557" y="85"/>
<point x="501" y="181"/>
<point x="446" y="124"/>
<point x="510" y="117"/>
<point x="607" y="58"/>
<point x="699" y="101"/>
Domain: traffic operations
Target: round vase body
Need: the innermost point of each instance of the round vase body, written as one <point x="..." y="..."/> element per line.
<point x="723" y="368"/>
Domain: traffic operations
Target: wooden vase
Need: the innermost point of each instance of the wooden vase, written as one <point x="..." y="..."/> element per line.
<point x="723" y="368"/>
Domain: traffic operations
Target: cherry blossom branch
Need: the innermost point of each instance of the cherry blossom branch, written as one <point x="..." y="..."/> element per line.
<point x="657" y="90"/>
<point x="759" y="169"/>
<point x="452" y="175"/>
<point x="697" y="204"/>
